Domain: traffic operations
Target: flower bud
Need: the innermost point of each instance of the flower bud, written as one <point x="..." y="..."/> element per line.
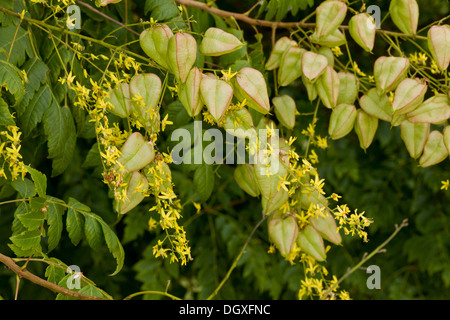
<point x="136" y="153"/>
<point x="285" y="110"/>
<point x="189" y="92"/>
<point x="145" y="91"/>
<point x="280" y="47"/>
<point x="136" y="187"/>
<point x="283" y="233"/>
<point x="365" y="127"/>
<point x="405" y="15"/>
<point x="389" y="72"/>
<point x="434" y="110"/>
<point x="181" y="54"/>
<point x="216" y="95"/>
<point x="435" y="150"/>
<point x="290" y="66"/>
<point x="363" y="29"/>
<point x="342" y="120"/>
<point x="329" y="16"/>
<point x="245" y="177"/>
<point x="408" y="96"/>
<point x="250" y="84"/>
<point x="310" y="241"/>
<point x="439" y="45"/>
<point x="328" y="87"/>
<point x="120" y="100"/>
<point x="414" y="135"/>
<point x="155" y="42"/>
<point x="326" y="227"/>
<point x="313" y="65"/>
<point x="377" y="105"/>
<point x="348" y="88"/>
<point x="217" y="42"/>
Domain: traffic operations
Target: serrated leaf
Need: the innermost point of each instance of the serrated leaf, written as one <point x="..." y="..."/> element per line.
<point x="74" y="220"/>
<point x="28" y="240"/>
<point x="36" y="71"/>
<point x="5" y="116"/>
<point x="12" y="79"/>
<point x="204" y="181"/>
<point x="161" y="10"/>
<point x="40" y="181"/>
<point x="25" y="187"/>
<point x="54" y="273"/>
<point x="32" y="220"/>
<point x="54" y="221"/>
<point x="33" y="112"/>
<point x="16" y="41"/>
<point x="91" y="290"/>
<point x="114" y="247"/>
<point x="93" y="232"/>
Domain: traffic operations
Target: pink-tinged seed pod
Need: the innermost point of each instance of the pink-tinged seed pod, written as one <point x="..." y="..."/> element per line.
<point x="348" y="88"/>
<point x="405" y="15"/>
<point x="366" y="127"/>
<point x="328" y="87"/>
<point x="181" y="54"/>
<point x="283" y="233"/>
<point x="342" y="120"/>
<point x="377" y="105"/>
<point x="439" y="45"/>
<point x="217" y="42"/>
<point x="280" y="47"/>
<point x="310" y="242"/>
<point x="136" y="188"/>
<point x="435" y="150"/>
<point x="414" y="135"/>
<point x="216" y="95"/>
<point x="155" y="42"/>
<point x="326" y="227"/>
<point x="290" y="66"/>
<point x="409" y="95"/>
<point x="329" y="16"/>
<point x="189" y="92"/>
<point x="362" y="28"/>
<point x="285" y="110"/>
<point x="389" y="72"/>
<point x="434" y="110"/>
<point x="119" y="99"/>
<point x="313" y="65"/>
<point x="136" y="153"/>
<point x="250" y="84"/>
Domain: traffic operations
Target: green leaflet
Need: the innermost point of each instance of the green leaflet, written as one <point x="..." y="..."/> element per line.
<point x="34" y="110"/>
<point x="20" y="43"/>
<point x="25" y="187"/>
<point x="204" y="181"/>
<point x="40" y="181"/>
<point x="12" y="79"/>
<point x="55" y="212"/>
<point x="5" y="116"/>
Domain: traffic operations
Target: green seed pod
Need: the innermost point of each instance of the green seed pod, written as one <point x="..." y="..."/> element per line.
<point x="181" y="54"/>
<point x="377" y="105"/>
<point x="329" y="16"/>
<point x="365" y="127"/>
<point x="137" y="186"/>
<point x="310" y="241"/>
<point x="342" y="120"/>
<point x="313" y="65"/>
<point x="434" y="151"/>
<point x="434" y="110"/>
<point x="283" y="233"/>
<point x="439" y="45"/>
<point x="239" y="123"/>
<point x="310" y="88"/>
<point x="162" y="180"/>
<point x="326" y="227"/>
<point x="120" y="100"/>
<point x="155" y="42"/>
<point x="245" y="177"/>
<point x="348" y="88"/>
<point x="250" y="84"/>
<point x="447" y="138"/>
<point x="389" y="72"/>
<point x="145" y="91"/>
<point x="405" y="15"/>
<point x="328" y="87"/>
<point x="280" y="47"/>
<point x="307" y="198"/>
<point x="290" y="66"/>
<point x="216" y="95"/>
<point x="398" y="119"/>
<point x="279" y="198"/>
<point x="363" y="29"/>
<point x="189" y="92"/>
<point x="408" y="96"/>
<point x="414" y="135"/>
<point x="327" y="53"/>
<point x="217" y="42"/>
<point x="136" y="153"/>
<point x="285" y="110"/>
<point x="335" y="39"/>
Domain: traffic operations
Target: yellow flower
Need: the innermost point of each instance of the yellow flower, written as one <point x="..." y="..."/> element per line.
<point x="445" y="184"/>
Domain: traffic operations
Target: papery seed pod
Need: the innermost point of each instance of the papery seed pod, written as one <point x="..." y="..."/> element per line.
<point x="398" y="119"/>
<point x="365" y="127"/>
<point x="290" y="66"/>
<point x="310" y="88"/>
<point x="155" y="42"/>
<point x="137" y="186"/>
<point x="250" y="84"/>
<point x="106" y="2"/>
<point x="189" y="92"/>
<point x="181" y="54"/>
<point x="405" y="15"/>
<point x="145" y="91"/>
<point x="414" y="135"/>
<point x="136" y="153"/>
<point x="120" y="100"/>
<point x="313" y="65"/>
<point x="335" y="39"/>
<point x="328" y="87"/>
<point x="278" y="50"/>
<point x="326" y="227"/>
<point x="310" y="241"/>
<point x="329" y="16"/>
<point x="305" y="198"/>
<point x="216" y="95"/>
<point x="283" y="233"/>
<point x="447" y="138"/>
<point x="434" y="110"/>
<point x="244" y="175"/>
<point x="327" y="53"/>
<point x="239" y="123"/>
<point x="408" y="95"/>
<point x="439" y="45"/>
<point x="389" y="72"/>
<point x="285" y="110"/>
<point x="348" y="88"/>
<point x="217" y="42"/>
<point x="342" y="120"/>
<point x="275" y="202"/>
<point x="377" y="105"/>
<point x="434" y="151"/>
<point x="362" y="28"/>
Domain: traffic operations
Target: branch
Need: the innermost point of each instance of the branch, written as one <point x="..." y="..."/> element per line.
<point x="274" y="24"/>
<point x="24" y="273"/>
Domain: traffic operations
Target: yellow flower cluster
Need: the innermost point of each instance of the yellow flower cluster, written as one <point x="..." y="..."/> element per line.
<point x="10" y="155"/>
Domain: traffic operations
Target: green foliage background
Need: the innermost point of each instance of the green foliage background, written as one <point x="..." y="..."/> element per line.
<point x="385" y="182"/>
